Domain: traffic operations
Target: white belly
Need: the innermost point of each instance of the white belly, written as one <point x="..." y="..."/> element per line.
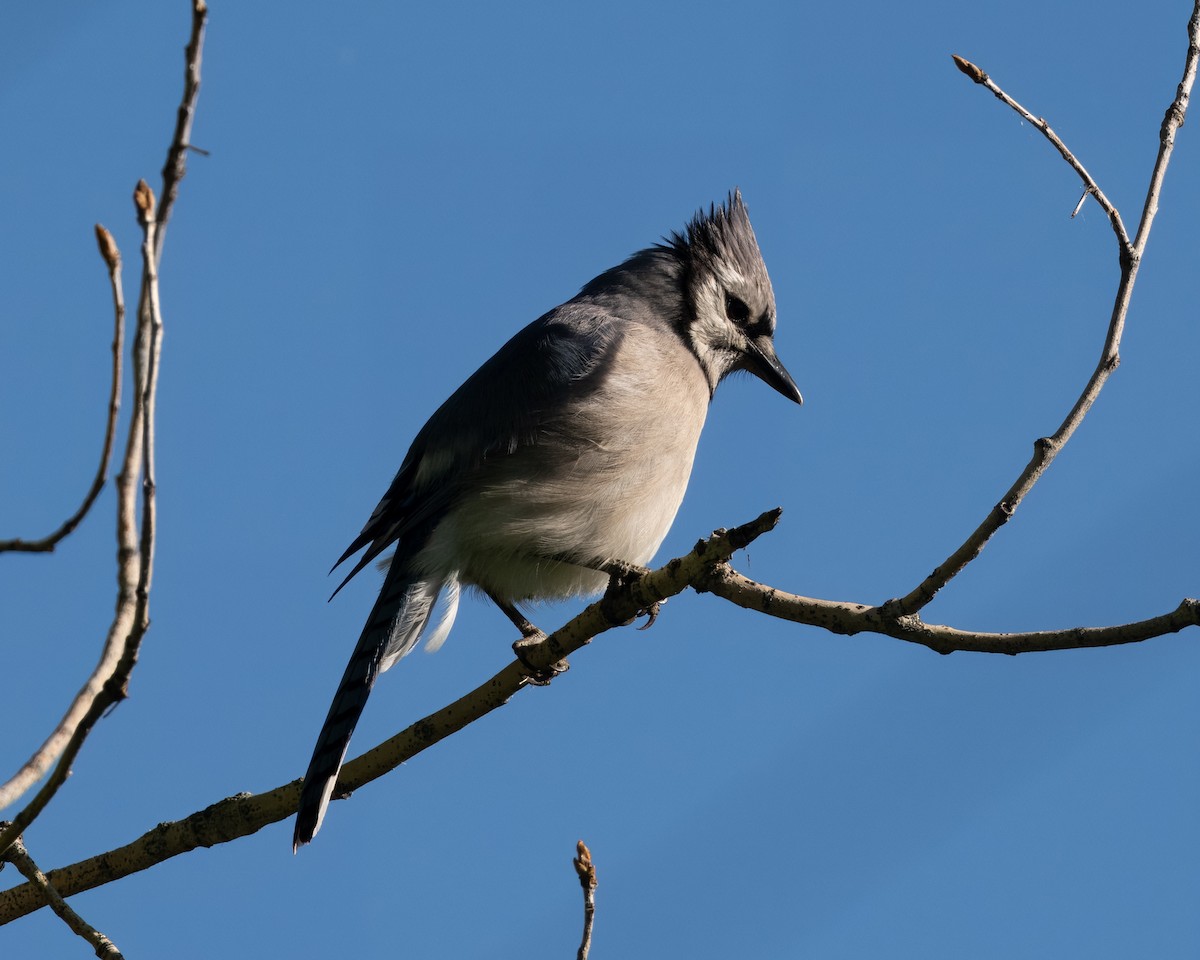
<point x="603" y="482"/>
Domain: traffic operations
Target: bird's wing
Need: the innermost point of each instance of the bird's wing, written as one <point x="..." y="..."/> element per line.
<point x="497" y="411"/>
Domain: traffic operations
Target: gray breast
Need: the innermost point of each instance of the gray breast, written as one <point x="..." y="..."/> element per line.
<point x="603" y="481"/>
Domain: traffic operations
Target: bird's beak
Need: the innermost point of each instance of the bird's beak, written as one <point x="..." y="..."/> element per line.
<point x="764" y="364"/>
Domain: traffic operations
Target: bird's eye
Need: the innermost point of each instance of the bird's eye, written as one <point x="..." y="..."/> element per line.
<point x="736" y="310"/>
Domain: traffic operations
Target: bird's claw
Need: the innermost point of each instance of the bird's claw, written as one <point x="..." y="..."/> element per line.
<point x="651" y="614"/>
<point x="535" y="675"/>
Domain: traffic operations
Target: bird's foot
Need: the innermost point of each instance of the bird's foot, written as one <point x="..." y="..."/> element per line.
<point x="531" y="637"/>
<point x="620" y="575"/>
<point x="537" y="676"/>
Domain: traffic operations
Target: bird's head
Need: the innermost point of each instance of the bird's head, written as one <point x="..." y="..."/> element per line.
<point x="730" y="318"/>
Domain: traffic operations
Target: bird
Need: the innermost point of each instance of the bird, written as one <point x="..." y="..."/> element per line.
<point x="562" y="459"/>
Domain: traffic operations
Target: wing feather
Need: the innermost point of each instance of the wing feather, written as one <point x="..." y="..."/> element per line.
<point x="500" y="409"/>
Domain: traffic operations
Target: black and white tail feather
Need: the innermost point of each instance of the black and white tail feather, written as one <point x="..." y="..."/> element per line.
<point x="400" y="614"/>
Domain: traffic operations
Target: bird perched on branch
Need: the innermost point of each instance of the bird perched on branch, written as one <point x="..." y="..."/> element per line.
<point x="563" y="459"/>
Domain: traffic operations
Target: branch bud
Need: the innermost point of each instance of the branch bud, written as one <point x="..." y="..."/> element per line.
<point x="143" y="199"/>
<point x="967" y="67"/>
<point x="584" y="866"/>
<point x="108" y="248"/>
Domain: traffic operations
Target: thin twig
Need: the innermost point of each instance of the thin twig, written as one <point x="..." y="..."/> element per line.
<point x="19" y="857"/>
<point x="1045" y="449"/>
<point x="112" y="259"/>
<point x="108" y="682"/>
<point x="149" y="351"/>
<point x="1172" y="121"/>
<point x="37" y="765"/>
<point x="587" y="879"/>
<point x="175" y="167"/>
<point x="1087" y="192"/>
<point x="1090" y="185"/>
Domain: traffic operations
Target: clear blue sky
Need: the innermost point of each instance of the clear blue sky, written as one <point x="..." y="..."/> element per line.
<point x="392" y="192"/>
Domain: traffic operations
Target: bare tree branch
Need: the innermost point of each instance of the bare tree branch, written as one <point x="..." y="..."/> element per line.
<point x="112" y="259"/>
<point x="108" y="682"/>
<point x="1172" y="121"/>
<point x="1090" y="185"/>
<point x="135" y="553"/>
<point x="587" y="879"/>
<point x="19" y="857"/>
<point x="148" y="351"/>
<point x="705" y="568"/>
<point x="1045" y="449"/>
<point x="849" y="618"/>
<point x="37" y="765"/>
<point x="244" y="814"/>
<point x="175" y="168"/>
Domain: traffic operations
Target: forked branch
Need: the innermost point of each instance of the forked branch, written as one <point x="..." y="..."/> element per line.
<point x="103" y="947"/>
<point x="1045" y="449"/>
<point x="135" y="553"/>
<point x="704" y="568"/>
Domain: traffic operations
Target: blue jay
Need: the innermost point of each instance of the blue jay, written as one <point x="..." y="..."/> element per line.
<point x="564" y="457"/>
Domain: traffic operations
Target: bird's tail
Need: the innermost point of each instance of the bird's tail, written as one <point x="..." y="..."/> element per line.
<point x="392" y="629"/>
